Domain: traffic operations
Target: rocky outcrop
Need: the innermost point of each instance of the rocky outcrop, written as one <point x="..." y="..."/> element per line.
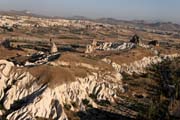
<point x="54" y="48"/>
<point x="91" y="48"/>
<point x="35" y="59"/>
<point x="126" y="46"/>
<point x="135" y="39"/>
<point x="108" y="46"/>
<point x="24" y="96"/>
<point x="153" y="43"/>
<point x="140" y="66"/>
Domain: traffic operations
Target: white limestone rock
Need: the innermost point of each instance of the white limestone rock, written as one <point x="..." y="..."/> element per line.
<point x="139" y="66"/>
<point x="27" y="99"/>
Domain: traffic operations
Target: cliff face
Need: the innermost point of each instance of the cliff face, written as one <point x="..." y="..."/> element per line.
<point x="24" y="95"/>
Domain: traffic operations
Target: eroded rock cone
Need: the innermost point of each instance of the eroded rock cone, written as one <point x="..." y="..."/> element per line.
<point x="89" y="49"/>
<point x="54" y="48"/>
<point x="94" y="43"/>
<point x="92" y="47"/>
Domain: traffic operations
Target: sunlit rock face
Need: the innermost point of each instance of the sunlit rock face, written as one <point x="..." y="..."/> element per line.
<point x="89" y="49"/>
<point x="54" y="48"/>
<point x="108" y="46"/>
<point x="44" y="94"/>
<point x="139" y="66"/>
<point x="24" y="96"/>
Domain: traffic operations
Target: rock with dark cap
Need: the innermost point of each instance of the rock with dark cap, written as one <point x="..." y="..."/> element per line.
<point x="135" y="39"/>
<point x="154" y="43"/>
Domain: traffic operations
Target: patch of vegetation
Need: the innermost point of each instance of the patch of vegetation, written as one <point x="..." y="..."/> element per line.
<point x="1" y="106"/>
<point x="167" y="77"/>
<point x="104" y="103"/>
<point x="68" y="37"/>
<point x="93" y="96"/>
<point x="140" y="107"/>
<point x="3" y="118"/>
<point x="40" y="118"/>
<point x="90" y="106"/>
<point x="127" y="76"/>
<point x="85" y="101"/>
<point x="74" y="104"/>
<point x="67" y="106"/>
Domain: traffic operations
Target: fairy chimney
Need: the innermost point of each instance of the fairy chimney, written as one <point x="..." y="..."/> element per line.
<point x="92" y="47"/>
<point x="53" y="47"/>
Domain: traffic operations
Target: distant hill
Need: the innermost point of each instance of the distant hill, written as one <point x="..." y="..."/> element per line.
<point x="22" y="13"/>
<point x="165" y="26"/>
<point x="139" y="23"/>
<point x="142" y="23"/>
<point x="112" y="21"/>
<point x="78" y="18"/>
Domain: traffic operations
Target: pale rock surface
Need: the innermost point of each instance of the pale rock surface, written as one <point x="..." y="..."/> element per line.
<point x="126" y="46"/>
<point x="91" y="48"/>
<point x="108" y="46"/>
<point x="139" y="66"/>
<point x="27" y="99"/>
<point x="54" y="48"/>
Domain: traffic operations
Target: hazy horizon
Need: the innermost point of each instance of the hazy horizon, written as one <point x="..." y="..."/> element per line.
<point x="162" y="10"/>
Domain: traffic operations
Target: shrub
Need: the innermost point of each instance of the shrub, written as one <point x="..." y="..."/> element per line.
<point x="1" y="106"/>
<point x="67" y="106"/>
<point x="104" y="102"/>
<point x="85" y="101"/>
<point x="74" y="104"/>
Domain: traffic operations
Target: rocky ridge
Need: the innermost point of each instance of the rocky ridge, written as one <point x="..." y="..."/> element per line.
<point x="138" y="67"/>
<point x="24" y="96"/>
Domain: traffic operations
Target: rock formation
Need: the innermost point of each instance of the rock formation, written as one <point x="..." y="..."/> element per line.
<point x="91" y="48"/>
<point x="109" y="46"/>
<point x="135" y="39"/>
<point x="24" y="96"/>
<point x="54" y="48"/>
<point x="154" y="43"/>
<point x="126" y="46"/>
<point x="38" y="58"/>
<point x="139" y="67"/>
<point x="41" y="93"/>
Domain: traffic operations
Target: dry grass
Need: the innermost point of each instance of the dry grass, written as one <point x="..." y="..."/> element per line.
<point x="57" y="75"/>
<point x="167" y="50"/>
<point x="74" y="59"/>
<point x="130" y="56"/>
<point x="53" y="75"/>
<point x="6" y="53"/>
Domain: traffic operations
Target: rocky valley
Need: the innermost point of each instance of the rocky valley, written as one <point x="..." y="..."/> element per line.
<point x="62" y="69"/>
